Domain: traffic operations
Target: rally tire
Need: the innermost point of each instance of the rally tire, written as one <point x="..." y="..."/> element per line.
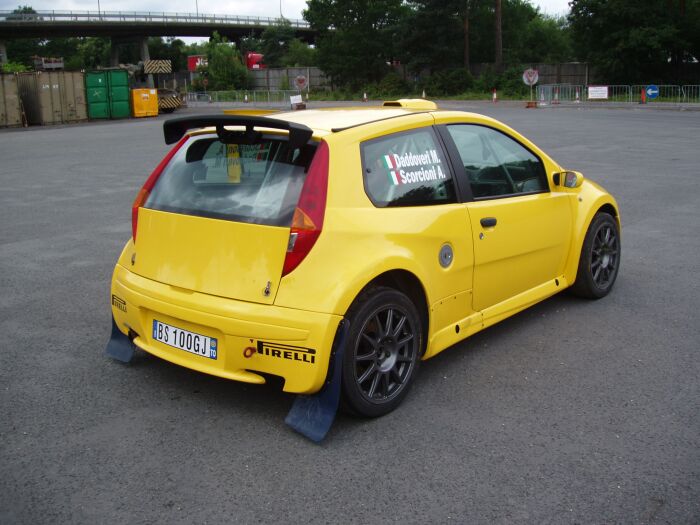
<point x="383" y="352"/>
<point x="599" y="262"/>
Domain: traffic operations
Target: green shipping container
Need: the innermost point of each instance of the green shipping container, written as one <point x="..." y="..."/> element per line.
<point x="97" y="93"/>
<point x="118" y="81"/>
<point x="108" y="94"/>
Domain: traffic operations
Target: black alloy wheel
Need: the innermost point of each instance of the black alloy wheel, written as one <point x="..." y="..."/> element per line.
<point x="600" y="258"/>
<point x="604" y="255"/>
<point x="384" y="347"/>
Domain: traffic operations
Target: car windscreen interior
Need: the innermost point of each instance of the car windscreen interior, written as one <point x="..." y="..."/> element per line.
<point x="256" y="183"/>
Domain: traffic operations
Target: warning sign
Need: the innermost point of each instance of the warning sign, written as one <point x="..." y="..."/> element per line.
<point x="530" y="77"/>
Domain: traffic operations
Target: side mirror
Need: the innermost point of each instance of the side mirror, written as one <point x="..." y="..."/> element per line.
<point x="568" y="179"/>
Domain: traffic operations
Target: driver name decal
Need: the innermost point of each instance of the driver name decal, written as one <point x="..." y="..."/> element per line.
<point x="424" y="167"/>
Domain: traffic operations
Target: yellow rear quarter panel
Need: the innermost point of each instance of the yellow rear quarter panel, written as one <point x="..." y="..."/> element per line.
<point x="360" y="242"/>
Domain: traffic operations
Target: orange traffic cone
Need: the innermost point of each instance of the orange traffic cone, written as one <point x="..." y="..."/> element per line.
<point x="643" y="99"/>
<point x="495" y="96"/>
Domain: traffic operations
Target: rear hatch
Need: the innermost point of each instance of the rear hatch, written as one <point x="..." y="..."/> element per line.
<point x="218" y="219"/>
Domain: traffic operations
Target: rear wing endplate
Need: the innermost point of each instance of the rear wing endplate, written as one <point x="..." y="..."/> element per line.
<point x="175" y="129"/>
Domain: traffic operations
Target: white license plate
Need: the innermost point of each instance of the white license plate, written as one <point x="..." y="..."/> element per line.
<point x="184" y="340"/>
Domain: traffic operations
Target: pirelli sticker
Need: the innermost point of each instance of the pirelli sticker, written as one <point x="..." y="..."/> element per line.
<point x="410" y="168"/>
<point x="290" y="353"/>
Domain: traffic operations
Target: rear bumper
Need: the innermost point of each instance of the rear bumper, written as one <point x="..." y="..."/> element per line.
<point x="293" y="344"/>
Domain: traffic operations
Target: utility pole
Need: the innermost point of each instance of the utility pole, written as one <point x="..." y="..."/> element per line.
<point x="498" y="62"/>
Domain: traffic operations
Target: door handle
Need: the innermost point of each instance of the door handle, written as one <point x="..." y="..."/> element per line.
<point x="488" y="222"/>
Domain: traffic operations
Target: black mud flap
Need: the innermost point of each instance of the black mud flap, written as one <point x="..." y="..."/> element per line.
<point x="119" y="346"/>
<point x="313" y="416"/>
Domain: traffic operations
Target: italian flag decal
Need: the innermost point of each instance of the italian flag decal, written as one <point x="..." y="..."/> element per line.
<point x="390" y="164"/>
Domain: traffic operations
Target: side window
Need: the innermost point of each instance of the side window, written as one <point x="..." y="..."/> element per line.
<point x="407" y="169"/>
<point x="495" y="164"/>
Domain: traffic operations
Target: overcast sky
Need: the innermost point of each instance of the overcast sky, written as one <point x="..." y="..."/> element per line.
<point x="290" y="8"/>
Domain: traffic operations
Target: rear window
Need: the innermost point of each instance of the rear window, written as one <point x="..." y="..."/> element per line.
<point x="256" y="183"/>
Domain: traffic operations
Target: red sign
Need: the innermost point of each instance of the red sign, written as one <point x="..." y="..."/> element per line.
<point x="530" y="77"/>
<point x="195" y="61"/>
<point x="300" y="82"/>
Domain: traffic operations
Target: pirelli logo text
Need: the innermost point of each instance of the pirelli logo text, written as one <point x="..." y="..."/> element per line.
<point x="119" y="303"/>
<point x="291" y="353"/>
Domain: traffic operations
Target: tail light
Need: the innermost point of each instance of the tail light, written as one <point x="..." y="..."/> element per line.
<point x="307" y="222"/>
<point x="145" y="191"/>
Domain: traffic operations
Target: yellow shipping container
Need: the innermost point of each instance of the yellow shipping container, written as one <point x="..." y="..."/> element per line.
<point x="144" y="102"/>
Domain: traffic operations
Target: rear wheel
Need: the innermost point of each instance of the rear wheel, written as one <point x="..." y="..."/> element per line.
<point x="383" y="352"/>
<point x="600" y="258"/>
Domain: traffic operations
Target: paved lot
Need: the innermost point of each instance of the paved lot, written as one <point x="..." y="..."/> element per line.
<point x="571" y="412"/>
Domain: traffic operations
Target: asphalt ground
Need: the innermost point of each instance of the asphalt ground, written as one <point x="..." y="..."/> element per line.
<point x="570" y="412"/>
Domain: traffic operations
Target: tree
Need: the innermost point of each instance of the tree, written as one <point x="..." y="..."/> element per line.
<point x="226" y="69"/>
<point x="13" y="67"/>
<point x="357" y="38"/>
<point x="438" y="33"/>
<point x="23" y="12"/>
<point x="300" y="54"/>
<point x="92" y="52"/>
<point x="21" y="51"/>
<point x="275" y="41"/>
<point x="498" y="55"/>
<point x="634" y="40"/>
<point x="547" y="39"/>
<point x="250" y="43"/>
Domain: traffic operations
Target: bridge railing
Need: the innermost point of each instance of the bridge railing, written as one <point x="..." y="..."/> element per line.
<point x="142" y="16"/>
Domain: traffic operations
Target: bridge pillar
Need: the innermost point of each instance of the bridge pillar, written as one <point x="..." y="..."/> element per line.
<point x="114" y="52"/>
<point x="145" y="55"/>
<point x="3" y="53"/>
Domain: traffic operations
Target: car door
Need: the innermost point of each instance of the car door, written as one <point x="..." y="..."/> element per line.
<point x="521" y="230"/>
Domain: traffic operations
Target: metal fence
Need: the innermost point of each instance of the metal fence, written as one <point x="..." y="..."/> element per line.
<point x="691" y="94"/>
<point x="195" y="99"/>
<point x="553" y="94"/>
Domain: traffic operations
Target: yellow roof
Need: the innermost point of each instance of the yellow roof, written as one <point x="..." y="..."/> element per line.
<point x="338" y="118"/>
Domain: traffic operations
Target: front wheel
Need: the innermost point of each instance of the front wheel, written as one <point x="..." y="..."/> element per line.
<point x="383" y="352"/>
<point x="600" y="258"/>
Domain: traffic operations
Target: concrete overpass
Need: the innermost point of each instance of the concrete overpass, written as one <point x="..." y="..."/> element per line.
<point x="52" y="24"/>
<point x="123" y="26"/>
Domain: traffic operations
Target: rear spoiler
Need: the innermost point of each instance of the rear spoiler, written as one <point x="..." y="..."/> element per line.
<point x="175" y="129"/>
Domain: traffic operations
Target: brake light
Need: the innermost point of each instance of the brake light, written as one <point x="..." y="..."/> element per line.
<point x="145" y="191"/>
<point x="307" y="222"/>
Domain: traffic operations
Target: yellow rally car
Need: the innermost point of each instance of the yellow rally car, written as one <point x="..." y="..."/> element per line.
<point x="394" y="231"/>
